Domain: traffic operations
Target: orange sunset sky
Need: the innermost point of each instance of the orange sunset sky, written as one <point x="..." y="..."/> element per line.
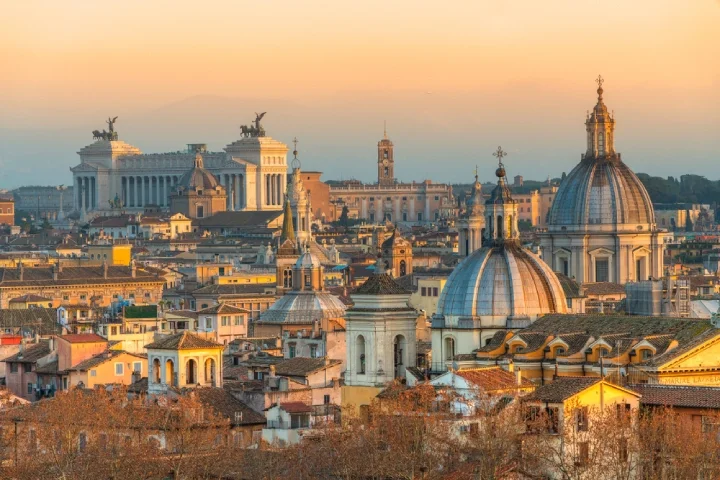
<point x="452" y="79"/>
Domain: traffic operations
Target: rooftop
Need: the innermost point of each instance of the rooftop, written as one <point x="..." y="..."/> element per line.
<point x="182" y="341"/>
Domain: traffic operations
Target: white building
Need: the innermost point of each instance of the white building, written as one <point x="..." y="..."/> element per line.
<point x="380" y="333"/>
<point x="601" y="226"/>
<point x="253" y="171"/>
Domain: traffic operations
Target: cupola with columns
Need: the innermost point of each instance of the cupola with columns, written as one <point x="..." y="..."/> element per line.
<point x="501" y="224"/>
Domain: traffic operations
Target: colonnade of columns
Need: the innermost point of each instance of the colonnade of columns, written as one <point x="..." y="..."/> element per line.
<point x="139" y="191"/>
<point x="274" y="189"/>
<point x="234" y="184"/>
<point x="85" y="193"/>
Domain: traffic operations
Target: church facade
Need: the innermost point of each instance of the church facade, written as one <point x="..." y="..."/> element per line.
<point x="390" y="200"/>
<point x="113" y="174"/>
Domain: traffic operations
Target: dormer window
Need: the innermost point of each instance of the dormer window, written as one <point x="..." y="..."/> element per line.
<point x="645" y="354"/>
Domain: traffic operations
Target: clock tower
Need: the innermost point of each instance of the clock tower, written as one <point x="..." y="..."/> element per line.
<point x="386" y="164"/>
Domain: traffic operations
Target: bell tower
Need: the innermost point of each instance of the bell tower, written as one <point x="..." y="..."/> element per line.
<point x="386" y="163"/>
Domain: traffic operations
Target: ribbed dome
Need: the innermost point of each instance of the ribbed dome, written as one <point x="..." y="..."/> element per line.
<point x="304" y="308"/>
<point x="504" y="281"/>
<point x="601" y="191"/>
<point x="198" y="177"/>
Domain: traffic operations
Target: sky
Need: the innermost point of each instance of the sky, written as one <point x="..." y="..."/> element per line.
<point x="453" y="80"/>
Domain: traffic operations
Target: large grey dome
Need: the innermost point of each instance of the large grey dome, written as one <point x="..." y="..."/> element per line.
<point x="304" y="308"/>
<point x="602" y="191"/>
<point x="505" y="281"/>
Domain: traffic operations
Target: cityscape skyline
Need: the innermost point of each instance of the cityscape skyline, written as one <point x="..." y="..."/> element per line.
<point x="449" y="83"/>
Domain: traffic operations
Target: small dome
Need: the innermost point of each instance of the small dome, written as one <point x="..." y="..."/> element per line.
<point x="198" y="177"/>
<point x="308" y="260"/>
<point x="506" y="281"/>
<point x="475" y="202"/>
<point x="601" y="191"/>
<point x="303" y="308"/>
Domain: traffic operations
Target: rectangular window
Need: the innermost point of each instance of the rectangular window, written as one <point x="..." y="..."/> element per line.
<point x="119" y="369"/>
<point x="66" y="298"/>
<point x="225" y="319"/>
<point x="623" y="450"/>
<point x="291" y="351"/>
<point x="313" y="351"/>
<point x="93" y="373"/>
<point x="208" y="323"/>
<point x="602" y="270"/>
<point x="423" y="292"/>
<point x="13" y="368"/>
<point x="137" y="367"/>
<point x="581" y="419"/>
<point x="326" y="399"/>
<point x="29" y="388"/>
<point x="83" y="297"/>
<point x="435" y="291"/>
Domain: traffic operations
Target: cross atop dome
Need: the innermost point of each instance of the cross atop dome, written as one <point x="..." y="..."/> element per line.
<point x="599" y="80"/>
<point x="500" y="172"/>
<point x="295" y="161"/>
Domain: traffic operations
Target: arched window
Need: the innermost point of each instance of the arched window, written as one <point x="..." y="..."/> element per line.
<point x="287" y="278"/>
<point x="449" y="349"/>
<point x="191" y="373"/>
<point x="403" y="268"/>
<point x="210" y="371"/>
<point x="601" y="143"/>
<point x="360" y="347"/>
<point x="558" y="351"/>
<point x="499" y="227"/>
<point x="510" y="225"/>
<point x="170" y="373"/>
<point x="156" y="370"/>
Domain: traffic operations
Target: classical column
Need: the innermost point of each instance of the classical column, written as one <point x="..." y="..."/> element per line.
<point x="140" y="196"/>
<point x="93" y="192"/>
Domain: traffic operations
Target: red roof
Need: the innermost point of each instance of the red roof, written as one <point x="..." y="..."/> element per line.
<point x="295" y="407"/>
<point x="83" y="338"/>
<point x="493" y="378"/>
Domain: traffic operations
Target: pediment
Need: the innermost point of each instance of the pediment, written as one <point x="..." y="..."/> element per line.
<point x="601" y="251"/>
<point x="705" y="355"/>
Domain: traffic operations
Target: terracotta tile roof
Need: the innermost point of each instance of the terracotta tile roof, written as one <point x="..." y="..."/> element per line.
<point x="32" y="353"/>
<point x="182" y="341"/>
<point x="222" y="308"/>
<point x="678" y="396"/>
<point x="239" y="219"/>
<point x="302" y="366"/>
<point x="603" y="288"/>
<point x="382" y="284"/>
<point x="30" y="297"/>
<point x="50" y="368"/>
<point x="99" y="359"/>
<point x="225" y="404"/>
<point x="682" y="329"/>
<point x="42" y="321"/>
<point x="561" y="389"/>
<point x="296" y="407"/>
<point x="491" y="379"/>
<point x="575" y="342"/>
<point x="571" y="288"/>
<point x="532" y="340"/>
<point x="666" y="356"/>
<point x="497" y="339"/>
<point x="83" y="338"/>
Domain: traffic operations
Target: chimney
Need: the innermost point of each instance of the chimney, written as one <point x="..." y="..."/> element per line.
<point x="22" y="345"/>
<point x="135" y="376"/>
<point x="518" y="377"/>
<point x="105" y="269"/>
<point x="59" y="264"/>
<point x="21" y="269"/>
<point x="55" y="272"/>
<point x="133" y="268"/>
<point x="556" y="370"/>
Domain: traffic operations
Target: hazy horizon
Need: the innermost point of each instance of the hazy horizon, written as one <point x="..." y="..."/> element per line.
<point x="452" y="83"/>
